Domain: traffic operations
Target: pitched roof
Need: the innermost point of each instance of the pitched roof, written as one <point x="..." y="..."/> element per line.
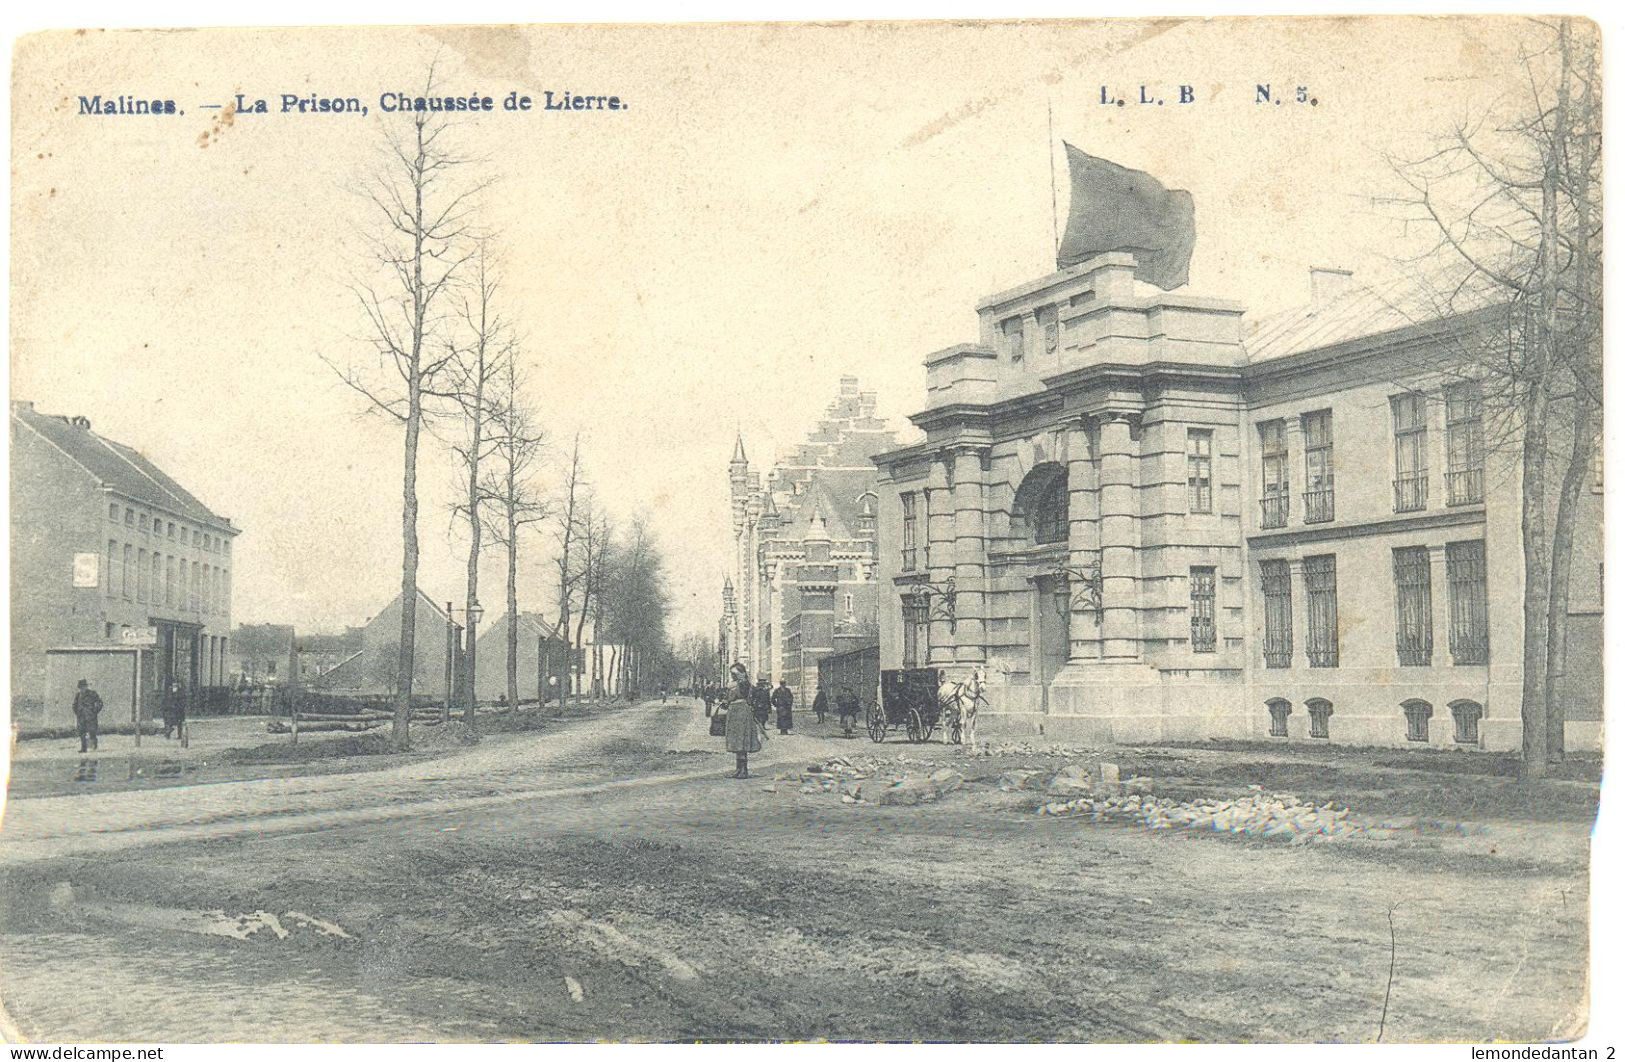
<point x="1386" y="306"/>
<point x="117" y="467"/>
<point x="531" y="625"/>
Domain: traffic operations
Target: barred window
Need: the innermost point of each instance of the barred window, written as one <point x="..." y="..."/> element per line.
<point x="126" y="583"/>
<point x="1410" y="453"/>
<point x="910" y="526"/>
<point x="1275" y="498"/>
<point x="1469" y="603"/>
<point x="1204" y="636"/>
<point x="1319" y="502"/>
<point x="1464" y="443"/>
<point x="1199" y="470"/>
<point x="1320" y="586"/>
<point x="1466" y="715"/>
<point x="1277" y="576"/>
<point x="1417" y="714"/>
<point x="916" y="630"/>
<point x="1320" y="717"/>
<point x="1413" y="606"/>
<point x="1049" y="518"/>
<point x="112" y="558"/>
<point x="1279" y="708"/>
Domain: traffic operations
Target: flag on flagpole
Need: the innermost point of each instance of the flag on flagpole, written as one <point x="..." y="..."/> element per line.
<point x="1115" y="208"/>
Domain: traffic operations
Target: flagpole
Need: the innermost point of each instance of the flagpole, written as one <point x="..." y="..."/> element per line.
<point x="1054" y="208"/>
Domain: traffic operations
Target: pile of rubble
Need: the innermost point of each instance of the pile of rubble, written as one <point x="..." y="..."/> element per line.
<point x="867" y="784"/>
<point x="1103" y="797"/>
<point x="1028" y="748"/>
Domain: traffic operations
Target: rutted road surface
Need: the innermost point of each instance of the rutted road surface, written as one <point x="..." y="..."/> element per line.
<point x="608" y="881"/>
<point x="577" y="758"/>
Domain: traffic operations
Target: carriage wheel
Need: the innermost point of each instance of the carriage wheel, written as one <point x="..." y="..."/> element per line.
<point x="877" y="724"/>
<point x="916" y="727"/>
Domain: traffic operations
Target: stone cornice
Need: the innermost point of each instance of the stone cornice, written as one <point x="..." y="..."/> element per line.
<point x="1460" y="516"/>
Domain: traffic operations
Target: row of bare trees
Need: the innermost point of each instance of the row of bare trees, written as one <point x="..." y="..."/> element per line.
<point x="442" y="358"/>
<point x="1514" y="203"/>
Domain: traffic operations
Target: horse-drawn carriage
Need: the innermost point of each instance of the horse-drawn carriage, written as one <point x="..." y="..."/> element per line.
<point x="908" y="702"/>
<point x="918" y="702"/>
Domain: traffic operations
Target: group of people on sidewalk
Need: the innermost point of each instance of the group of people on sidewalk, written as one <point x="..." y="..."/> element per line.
<point x="740" y="712"/>
<point x="87" y="712"/>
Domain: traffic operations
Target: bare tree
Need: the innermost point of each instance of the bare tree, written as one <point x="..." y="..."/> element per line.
<point x="1514" y="203"/>
<point x="479" y="363"/>
<point x="593" y="547"/>
<point x="568" y="516"/>
<point x="422" y="209"/>
<point x="515" y="502"/>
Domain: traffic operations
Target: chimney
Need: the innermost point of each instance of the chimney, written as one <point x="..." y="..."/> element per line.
<point x="81" y="422"/>
<point x="1327" y="284"/>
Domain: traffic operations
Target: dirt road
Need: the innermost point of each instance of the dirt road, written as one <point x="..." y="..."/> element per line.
<point x="609" y="881"/>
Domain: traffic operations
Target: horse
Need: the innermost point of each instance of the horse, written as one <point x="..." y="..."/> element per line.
<point x="963" y="699"/>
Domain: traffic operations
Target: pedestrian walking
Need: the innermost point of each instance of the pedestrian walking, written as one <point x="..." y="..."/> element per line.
<point x="820" y="705"/>
<point x="87" y="710"/>
<point x="707" y="695"/>
<point x="174" y="711"/>
<point x="783" y="702"/>
<point x="761" y="702"/>
<point x="743" y="733"/>
<point x="846" y="702"/>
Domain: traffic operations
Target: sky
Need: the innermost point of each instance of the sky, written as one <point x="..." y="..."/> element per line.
<point x="776" y="207"/>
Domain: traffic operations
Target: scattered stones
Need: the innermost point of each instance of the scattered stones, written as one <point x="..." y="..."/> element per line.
<point x="573" y="987"/>
<point x="910" y="789"/>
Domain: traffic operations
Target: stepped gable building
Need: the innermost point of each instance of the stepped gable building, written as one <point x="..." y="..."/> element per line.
<point x="1148" y="516"/>
<point x="119" y="574"/>
<point x="802" y="583"/>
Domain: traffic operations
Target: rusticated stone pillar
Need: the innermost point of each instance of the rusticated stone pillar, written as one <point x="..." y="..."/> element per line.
<point x="1119" y="540"/>
<point x="1083" y="538"/>
<point x="970" y="554"/>
<point x="939" y="539"/>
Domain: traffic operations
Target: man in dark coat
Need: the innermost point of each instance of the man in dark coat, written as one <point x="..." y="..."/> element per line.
<point x="783" y="702"/>
<point x="87" y="710"/>
<point x="174" y="710"/>
<point x="821" y="704"/>
<point x="761" y="701"/>
<point x="846" y="702"/>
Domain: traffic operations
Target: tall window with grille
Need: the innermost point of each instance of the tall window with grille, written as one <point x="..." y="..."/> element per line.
<point x="1464" y="443"/>
<point x="1319" y="503"/>
<point x="1050" y="512"/>
<point x="1413" y="606"/>
<point x="1199" y="470"/>
<point x="1469" y="603"/>
<point x="1275" y="498"/>
<point x="1410" y="453"/>
<point x="1204" y="633"/>
<point x="1277" y="578"/>
<point x="916" y="630"/>
<point x="1320" y="588"/>
<point x="910" y="531"/>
